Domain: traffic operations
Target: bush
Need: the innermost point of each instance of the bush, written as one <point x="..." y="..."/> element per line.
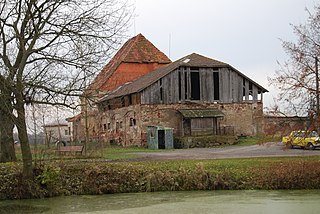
<point x="204" y="141"/>
<point x="102" y="178"/>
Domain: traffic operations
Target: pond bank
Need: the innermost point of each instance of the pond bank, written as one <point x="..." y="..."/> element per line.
<point x="60" y="178"/>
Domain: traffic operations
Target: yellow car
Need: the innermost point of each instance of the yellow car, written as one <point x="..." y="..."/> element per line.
<point x="303" y="139"/>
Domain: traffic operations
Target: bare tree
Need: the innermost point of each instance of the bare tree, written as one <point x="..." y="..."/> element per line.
<point x="48" y="48"/>
<point x="297" y="79"/>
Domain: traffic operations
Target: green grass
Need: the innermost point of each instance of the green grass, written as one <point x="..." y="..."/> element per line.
<point x="42" y="152"/>
<point x="248" y="141"/>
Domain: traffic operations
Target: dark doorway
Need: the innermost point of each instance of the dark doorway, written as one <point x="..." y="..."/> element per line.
<point x="195" y="86"/>
<point x="161" y="139"/>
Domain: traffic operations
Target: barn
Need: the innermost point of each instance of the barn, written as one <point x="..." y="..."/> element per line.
<point x="194" y="95"/>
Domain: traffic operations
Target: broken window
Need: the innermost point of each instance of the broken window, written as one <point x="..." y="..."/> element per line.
<point x="123" y="103"/>
<point x="195" y="85"/>
<point x="130" y="99"/>
<point x="250" y="91"/>
<point x="216" y="85"/>
<point x="104" y="127"/>
<point x="133" y="122"/>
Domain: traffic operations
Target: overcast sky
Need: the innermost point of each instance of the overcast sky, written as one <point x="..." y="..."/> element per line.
<point x="242" y="33"/>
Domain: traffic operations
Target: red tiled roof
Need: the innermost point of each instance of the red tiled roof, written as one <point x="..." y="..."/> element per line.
<point x="137" y="50"/>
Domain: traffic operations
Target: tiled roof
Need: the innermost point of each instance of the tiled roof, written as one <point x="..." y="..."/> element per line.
<point x="136" y="50"/>
<point x="192" y="60"/>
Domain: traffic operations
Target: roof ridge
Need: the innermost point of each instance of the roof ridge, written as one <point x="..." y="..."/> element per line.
<point x="137" y="49"/>
<point x="134" y="41"/>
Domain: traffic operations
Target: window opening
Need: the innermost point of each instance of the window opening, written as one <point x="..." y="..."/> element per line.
<point x="195" y="86"/>
<point x="216" y="85"/>
<point x="133" y="122"/>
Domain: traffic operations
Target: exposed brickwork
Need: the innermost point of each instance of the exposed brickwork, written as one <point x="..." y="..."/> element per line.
<point x="127" y="72"/>
<point x="135" y="52"/>
<point x="244" y="119"/>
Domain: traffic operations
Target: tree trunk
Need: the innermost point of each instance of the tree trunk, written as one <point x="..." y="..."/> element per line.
<point x="23" y="137"/>
<point x="7" y="152"/>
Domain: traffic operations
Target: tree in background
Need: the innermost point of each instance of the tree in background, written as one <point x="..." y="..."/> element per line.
<point x="48" y="49"/>
<point x="298" y="79"/>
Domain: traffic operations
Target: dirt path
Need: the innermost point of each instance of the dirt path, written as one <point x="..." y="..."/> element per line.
<point x="265" y="150"/>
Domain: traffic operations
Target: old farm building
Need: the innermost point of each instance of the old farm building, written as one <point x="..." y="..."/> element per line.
<point x="194" y="95"/>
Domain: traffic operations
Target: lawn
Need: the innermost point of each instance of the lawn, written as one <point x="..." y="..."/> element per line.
<point x="43" y="152"/>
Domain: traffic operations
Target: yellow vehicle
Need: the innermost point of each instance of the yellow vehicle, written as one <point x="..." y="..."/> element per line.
<point x="303" y="139"/>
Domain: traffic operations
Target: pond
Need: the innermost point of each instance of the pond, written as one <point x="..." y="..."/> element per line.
<point x="216" y="202"/>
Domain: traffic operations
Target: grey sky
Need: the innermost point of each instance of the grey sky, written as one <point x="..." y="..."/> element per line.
<point x="243" y="33"/>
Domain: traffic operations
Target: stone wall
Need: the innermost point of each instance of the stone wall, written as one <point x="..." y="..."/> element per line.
<point x="281" y="126"/>
<point x="128" y="125"/>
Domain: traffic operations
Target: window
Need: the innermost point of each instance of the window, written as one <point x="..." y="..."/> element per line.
<point x="66" y="132"/>
<point x="120" y="124"/>
<point x="130" y="99"/>
<point x="104" y="127"/>
<point x="117" y="126"/>
<point x="109" y="126"/>
<point x="123" y="103"/>
<point x="195" y="86"/>
<point x="133" y="122"/>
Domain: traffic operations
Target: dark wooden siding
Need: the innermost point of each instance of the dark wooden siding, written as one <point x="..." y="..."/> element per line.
<point x="176" y="87"/>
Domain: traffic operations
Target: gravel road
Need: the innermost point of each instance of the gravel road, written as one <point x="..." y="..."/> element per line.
<point x="264" y="150"/>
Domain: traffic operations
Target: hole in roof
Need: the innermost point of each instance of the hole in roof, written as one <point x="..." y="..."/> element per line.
<point x="186" y="60"/>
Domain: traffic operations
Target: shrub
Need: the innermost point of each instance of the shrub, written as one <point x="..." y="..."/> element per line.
<point x="204" y="141"/>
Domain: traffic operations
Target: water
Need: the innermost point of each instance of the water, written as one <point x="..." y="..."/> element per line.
<point x="214" y="202"/>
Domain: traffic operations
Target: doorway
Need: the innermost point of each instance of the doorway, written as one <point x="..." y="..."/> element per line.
<point x="161" y="139"/>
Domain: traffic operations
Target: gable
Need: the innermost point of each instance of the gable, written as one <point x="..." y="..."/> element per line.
<point x="190" y="61"/>
<point x="135" y="58"/>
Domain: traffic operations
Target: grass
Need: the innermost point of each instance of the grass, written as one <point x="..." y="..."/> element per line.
<point x="42" y="152"/>
<point x="248" y="141"/>
<point x="65" y="178"/>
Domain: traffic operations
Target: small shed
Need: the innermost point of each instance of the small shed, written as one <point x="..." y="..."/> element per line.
<point x="160" y="137"/>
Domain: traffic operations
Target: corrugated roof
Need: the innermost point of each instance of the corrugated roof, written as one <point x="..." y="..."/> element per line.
<point x="192" y="60"/>
<point x="136" y="50"/>
<point x="201" y="113"/>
